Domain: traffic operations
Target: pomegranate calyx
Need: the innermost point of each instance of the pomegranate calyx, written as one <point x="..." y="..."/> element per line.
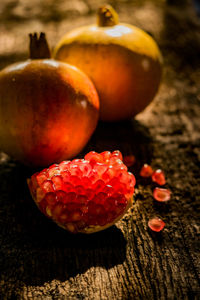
<point x="107" y="16"/>
<point x="38" y="47"/>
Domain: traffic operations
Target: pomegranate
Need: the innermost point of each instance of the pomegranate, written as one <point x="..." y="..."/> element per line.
<point x="84" y="195"/>
<point x="48" y="109"/>
<point x="122" y="60"/>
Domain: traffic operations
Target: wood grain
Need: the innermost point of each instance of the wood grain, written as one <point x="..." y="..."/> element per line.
<point x="38" y="260"/>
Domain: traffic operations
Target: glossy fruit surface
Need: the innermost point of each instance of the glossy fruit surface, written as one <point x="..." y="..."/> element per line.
<point x="84" y="195"/>
<point x="123" y="61"/>
<point x="156" y="224"/>
<point x="158" y="177"/>
<point x="161" y="195"/>
<point x="48" y="111"/>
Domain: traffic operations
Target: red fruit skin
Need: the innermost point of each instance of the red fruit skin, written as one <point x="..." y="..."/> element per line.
<point x="88" y="202"/>
<point x="48" y="111"/>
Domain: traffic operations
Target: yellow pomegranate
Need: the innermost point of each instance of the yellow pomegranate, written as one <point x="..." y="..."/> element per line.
<point x="123" y="61"/>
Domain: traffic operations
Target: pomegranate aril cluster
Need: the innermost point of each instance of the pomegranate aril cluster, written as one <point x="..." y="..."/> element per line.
<point x="84" y="193"/>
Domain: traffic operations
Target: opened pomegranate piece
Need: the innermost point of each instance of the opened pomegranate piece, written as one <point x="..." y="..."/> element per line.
<point x="84" y="195"/>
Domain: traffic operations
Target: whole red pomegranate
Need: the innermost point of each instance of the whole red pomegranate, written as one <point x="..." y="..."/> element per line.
<point x="48" y="109"/>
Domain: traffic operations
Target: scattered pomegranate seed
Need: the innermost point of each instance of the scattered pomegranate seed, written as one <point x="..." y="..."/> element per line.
<point x="146" y="171"/>
<point x="129" y="160"/>
<point x="84" y="195"/>
<point x="159" y="177"/>
<point x="156" y="224"/>
<point x="161" y="195"/>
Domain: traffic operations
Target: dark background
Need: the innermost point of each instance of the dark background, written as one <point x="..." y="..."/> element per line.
<point x="38" y="260"/>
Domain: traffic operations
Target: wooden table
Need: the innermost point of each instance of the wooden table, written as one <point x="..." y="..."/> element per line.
<point x="38" y="260"/>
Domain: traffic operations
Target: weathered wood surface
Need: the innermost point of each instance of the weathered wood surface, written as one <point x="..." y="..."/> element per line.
<point x="38" y="260"/>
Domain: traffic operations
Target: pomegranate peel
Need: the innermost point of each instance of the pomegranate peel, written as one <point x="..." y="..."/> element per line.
<point x="84" y="195"/>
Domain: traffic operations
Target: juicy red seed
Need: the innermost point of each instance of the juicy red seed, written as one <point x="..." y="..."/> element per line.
<point x="65" y="175"/>
<point x="82" y="199"/>
<point x="51" y="198"/>
<point x="75" y="171"/>
<point x="79" y="189"/>
<point x="156" y="224"/>
<point x="93" y="176"/>
<point x="68" y="187"/>
<point x="95" y="209"/>
<point x="94" y="157"/>
<point x="48" y="186"/>
<point x="85" y="182"/>
<point x="64" y="165"/>
<point x="158" y="177"/>
<point x="57" y="181"/>
<point x="89" y="193"/>
<point x="85" y="167"/>
<point x="108" y="174"/>
<point x="115" y="161"/>
<point x="108" y="189"/>
<point x="114" y="182"/>
<point x="129" y="160"/>
<point x="106" y="155"/>
<point x="117" y="154"/>
<point x="146" y="171"/>
<point x="41" y="177"/>
<point x="98" y="185"/>
<point x="121" y="188"/>
<point x="100" y="168"/>
<point x="120" y="199"/>
<point x="57" y="210"/>
<point x="75" y="180"/>
<point x="131" y="180"/>
<point x="70" y="197"/>
<point x="76" y="216"/>
<point x="53" y="171"/>
<point x="61" y="196"/>
<point x="99" y="198"/>
<point x="161" y="195"/>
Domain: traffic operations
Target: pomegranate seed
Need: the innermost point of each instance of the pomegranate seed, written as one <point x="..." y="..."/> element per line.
<point x="79" y="189"/>
<point x="117" y="154"/>
<point x="106" y="156"/>
<point x="70" y="197"/>
<point x="63" y="166"/>
<point x="129" y="160"/>
<point x="146" y="171"/>
<point x="156" y="224"/>
<point x="47" y="186"/>
<point x="41" y="178"/>
<point x="75" y="180"/>
<point x="161" y="195"/>
<point x="94" y="157"/>
<point x="57" y="181"/>
<point x="61" y="196"/>
<point x="84" y="195"/>
<point x="40" y="194"/>
<point x="51" y="198"/>
<point x="100" y="168"/>
<point x="98" y="185"/>
<point x="158" y="177"/>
